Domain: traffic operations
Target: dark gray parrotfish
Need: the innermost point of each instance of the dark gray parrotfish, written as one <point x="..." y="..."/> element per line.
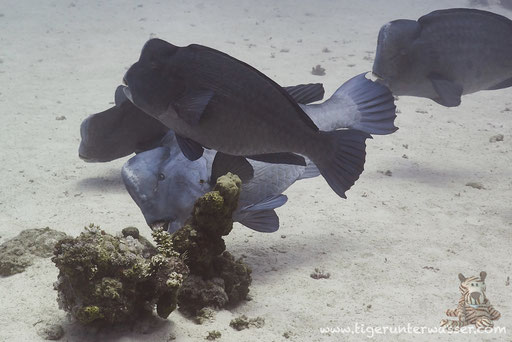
<point x="118" y="132"/>
<point x="125" y="129"/>
<point x="213" y="100"/>
<point x="445" y="54"/>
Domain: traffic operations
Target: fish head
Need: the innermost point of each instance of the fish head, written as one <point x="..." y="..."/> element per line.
<point x="102" y="139"/>
<point x="151" y="82"/>
<point x="118" y="132"/>
<point x="394" y="55"/>
<point x="165" y="186"/>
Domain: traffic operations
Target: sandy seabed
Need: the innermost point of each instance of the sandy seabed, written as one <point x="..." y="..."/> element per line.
<point x="393" y="248"/>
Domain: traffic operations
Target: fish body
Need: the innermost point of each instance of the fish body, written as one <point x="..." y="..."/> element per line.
<point x="359" y="102"/>
<point x="445" y="54"/>
<point x="212" y="100"/>
<point x="118" y="132"/>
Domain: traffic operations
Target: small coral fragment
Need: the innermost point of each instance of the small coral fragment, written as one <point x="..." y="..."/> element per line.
<point x="243" y="322"/>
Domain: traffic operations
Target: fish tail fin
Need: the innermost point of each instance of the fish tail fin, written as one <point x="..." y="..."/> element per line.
<point x="342" y="162"/>
<point x="373" y="105"/>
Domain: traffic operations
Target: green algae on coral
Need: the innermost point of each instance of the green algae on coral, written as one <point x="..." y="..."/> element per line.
<point x="112" y="279"/>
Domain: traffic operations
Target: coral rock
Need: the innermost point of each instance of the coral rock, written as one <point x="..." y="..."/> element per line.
<point x="112" y="279"/>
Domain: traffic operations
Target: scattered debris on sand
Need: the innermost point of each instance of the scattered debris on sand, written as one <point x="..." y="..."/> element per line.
<point x="320" y="274"/>
<point x="213" y="335"/>
<point x="243" y="322"/>
<point x="318" y="71"/>
<point x="475" y="185"/>
<point x="496" y="138"/>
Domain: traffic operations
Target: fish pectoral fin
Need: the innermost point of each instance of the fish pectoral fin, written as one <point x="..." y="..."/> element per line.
<point x="448" y="91"/>
<point x="504" y="84"/>
<point x="261" y="216"/>
<point x="191" y="149"/>
<point x="306" y="93"/>
<point x="279" y="158"/>
<point x="191" y="106"/>
<point x="224" y="163"/>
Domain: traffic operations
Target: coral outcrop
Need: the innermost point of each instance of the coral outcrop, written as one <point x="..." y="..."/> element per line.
<point x="216" y="277"/>
<point x="112" y="279"/>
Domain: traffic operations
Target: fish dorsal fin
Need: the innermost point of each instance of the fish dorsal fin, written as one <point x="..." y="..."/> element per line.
<point x="302" y="115"/>
<point x="191" y="149"/>
<point x="306" y="93"/>
<point x="191" y="106"/>
<point x="448" y="91"/>
<point x="224" y="163"/>
<point x="432" y="17"/>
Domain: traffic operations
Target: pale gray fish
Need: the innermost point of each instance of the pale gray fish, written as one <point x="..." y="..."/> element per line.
<point x="118" y="132"/>
<point x="445" y="54"/>
<point x="212" y="100"/>
<point x="165" y="184"/>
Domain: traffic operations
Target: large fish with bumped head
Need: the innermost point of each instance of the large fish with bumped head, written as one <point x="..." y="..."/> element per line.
<point x="212" y="100"/>
<point x="118" y="132"/>
<point x="165" y="184"/>
<point x="445" y="54"/>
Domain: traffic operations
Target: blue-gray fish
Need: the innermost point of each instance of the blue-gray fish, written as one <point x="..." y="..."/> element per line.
<point x="118" y="132"/>
<point x="165" y="184"/>
<point x="445" y="54"/>
<point x="213" y="100"/>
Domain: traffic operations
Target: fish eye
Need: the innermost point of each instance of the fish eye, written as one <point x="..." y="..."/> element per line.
<point x="201" y="181"/>
<point x="161" y="176"/>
